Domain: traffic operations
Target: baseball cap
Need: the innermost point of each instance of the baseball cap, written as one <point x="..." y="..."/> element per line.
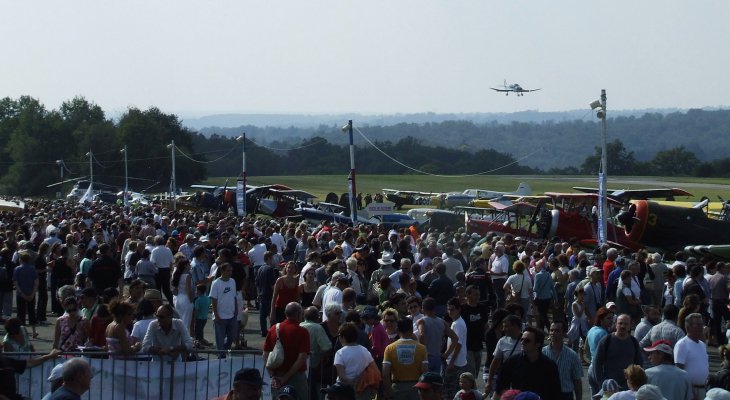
<point x="341" y="390"/>
<point x="429" y="380"/>
<point x="610" y="304"/>
<point x="250" y="376"/>
<point x="660" y="345"/>
<point x="287" y="392"/>
<point x="609" y="385"/>
<point x="369" y="312"/>
<point x="56" y="373"/>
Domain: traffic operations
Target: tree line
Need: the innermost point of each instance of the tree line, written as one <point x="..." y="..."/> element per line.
<point x="33" y="138"/>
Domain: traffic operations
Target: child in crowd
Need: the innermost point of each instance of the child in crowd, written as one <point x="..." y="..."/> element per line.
<point x="468" y="386"/>
<point x="201" y="309"/>
<point x="608" y="388"/>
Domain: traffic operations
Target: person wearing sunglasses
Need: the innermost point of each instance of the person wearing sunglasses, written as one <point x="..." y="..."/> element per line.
<point x="167" y="338"/>
<point x="531" y="370"/>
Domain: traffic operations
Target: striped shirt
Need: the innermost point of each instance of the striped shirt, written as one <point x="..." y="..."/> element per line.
<point x="569" y="366"/>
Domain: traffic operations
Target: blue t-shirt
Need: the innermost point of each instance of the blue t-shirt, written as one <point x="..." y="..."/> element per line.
<point x="201" y="307"/>
<point x="25" y="276"/>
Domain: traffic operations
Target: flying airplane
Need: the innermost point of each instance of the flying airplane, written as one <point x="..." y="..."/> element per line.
<point x="514" y="88"/>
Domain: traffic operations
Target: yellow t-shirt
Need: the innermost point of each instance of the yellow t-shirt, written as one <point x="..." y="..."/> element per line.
<point x="405" y="357"/>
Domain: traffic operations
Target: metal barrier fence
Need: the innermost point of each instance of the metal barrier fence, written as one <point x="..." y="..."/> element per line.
<point x="203" y="376"/>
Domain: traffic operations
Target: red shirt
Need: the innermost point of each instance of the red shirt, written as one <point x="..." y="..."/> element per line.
<point x="608" y="266"/>
<point x="295" y="340"/>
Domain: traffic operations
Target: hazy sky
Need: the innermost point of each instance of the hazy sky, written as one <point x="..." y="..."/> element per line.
<point x="306" y="56"/>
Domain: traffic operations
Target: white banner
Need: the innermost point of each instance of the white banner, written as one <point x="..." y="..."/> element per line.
<point x="122" y="379"/>
<point x="379" y="208"/>
<point x="240" y="199"/>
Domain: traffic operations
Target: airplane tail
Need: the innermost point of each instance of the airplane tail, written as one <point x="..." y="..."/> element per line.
<point x="524" y="189"/>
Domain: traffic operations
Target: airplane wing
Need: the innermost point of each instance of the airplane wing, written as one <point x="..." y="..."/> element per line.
<point x="66" y="181"/>
<point x="643" y="194"/>
<point x="638" y="194"/>
<point x="530" y="90"/>
<point x="502" y="90"/>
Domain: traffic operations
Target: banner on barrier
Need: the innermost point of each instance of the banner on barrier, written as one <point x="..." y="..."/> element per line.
<point x="129" y="379"/>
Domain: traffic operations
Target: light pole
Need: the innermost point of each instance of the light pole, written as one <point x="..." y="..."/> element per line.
<point x="90" y="190"/>
<point x="60" y="163"/>
<point x="126" y="176"/>
<point x="352" y="187"/>
<point x="600" y="106"/>
<point x="242" y="203"/>
<point x="171" y="146"/>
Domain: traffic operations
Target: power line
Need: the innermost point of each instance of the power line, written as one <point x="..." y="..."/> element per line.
<point x="290" y="148"/>
<point x="439" y="175"/>
<point x="204" y="162"/>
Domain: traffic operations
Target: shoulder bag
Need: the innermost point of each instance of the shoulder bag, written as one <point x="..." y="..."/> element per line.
<point x="276" y="356"/>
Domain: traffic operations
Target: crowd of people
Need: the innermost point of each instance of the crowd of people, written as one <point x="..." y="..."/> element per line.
<point x="366" y="311"/>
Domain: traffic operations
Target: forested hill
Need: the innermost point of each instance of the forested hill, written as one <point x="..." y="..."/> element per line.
<point x="706" y="133"/>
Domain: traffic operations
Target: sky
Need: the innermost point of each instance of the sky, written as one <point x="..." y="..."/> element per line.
<point x="195" y="58"/>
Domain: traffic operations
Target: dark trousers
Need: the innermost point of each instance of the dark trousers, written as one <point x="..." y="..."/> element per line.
<point x="498" y="285"/>
<point x="163" y="283"/>
<point x="264" y="310"/>
<point x="542" y="309"/>
<point x="719" y="312"/>
<point x="56" y="306"/>
<point x="24" y="307"/>
<point x="42" y="305"/>
<point x="199" y="327"/>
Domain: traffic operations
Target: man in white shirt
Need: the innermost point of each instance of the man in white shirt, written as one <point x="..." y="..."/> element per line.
<point x="334" y="294"/>
<point x="162" y="257"/>
<point x="453" y="266"/>
<point x="498" y="272"/>
<point x="690" y="354"/>
<point x="455" y="350"/>
<point x="225" y="308"/>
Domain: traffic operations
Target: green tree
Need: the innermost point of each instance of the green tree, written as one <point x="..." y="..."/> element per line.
<point x="674" y="162"/>
<point x="620" y="160"/>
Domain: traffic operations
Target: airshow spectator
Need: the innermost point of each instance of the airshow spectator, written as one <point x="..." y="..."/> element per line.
<point x="295" y="341"/>
<point x="118" y="339"/>
<point x="455" y="355"/>
<point x="476" y="317"/>
<point x="615" y="352"/>
<point x="441" y="290"/>
<point x="690" y="354"/>
<point x="404" y="361"/>
<point x="225" y="309"/>
<point x="25" y="278"/>
<point x="531" y="370"/>
<point x="719" y="295"/>
<point x="665" y="330"/>
<point x="71" y="330"/>
<point x="569" y="366"/>
<point x="105" y="271"/>
<point x="167" y="337"/>
<point x="673" y="380"/>
<point x="432" y="331"/>
<point x="76" y="380"/>
<point x="161" y="256"/>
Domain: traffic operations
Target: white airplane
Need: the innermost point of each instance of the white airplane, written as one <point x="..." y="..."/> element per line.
<point x="513" y="87"/>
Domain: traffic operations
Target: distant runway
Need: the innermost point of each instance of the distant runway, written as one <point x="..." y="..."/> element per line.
<point x="612" y="182"/>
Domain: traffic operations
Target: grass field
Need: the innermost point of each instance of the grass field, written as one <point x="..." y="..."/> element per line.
<point x="320" y="185"/>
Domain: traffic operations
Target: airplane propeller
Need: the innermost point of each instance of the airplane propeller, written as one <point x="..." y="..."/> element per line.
<point x="628" y="218"/>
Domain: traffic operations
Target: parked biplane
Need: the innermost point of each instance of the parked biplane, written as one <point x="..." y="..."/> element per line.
<point x="672" y="228"/>
<point x="407" y="197"/>
<point x="275" y="200"/>
<point x="461" y="199"/>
